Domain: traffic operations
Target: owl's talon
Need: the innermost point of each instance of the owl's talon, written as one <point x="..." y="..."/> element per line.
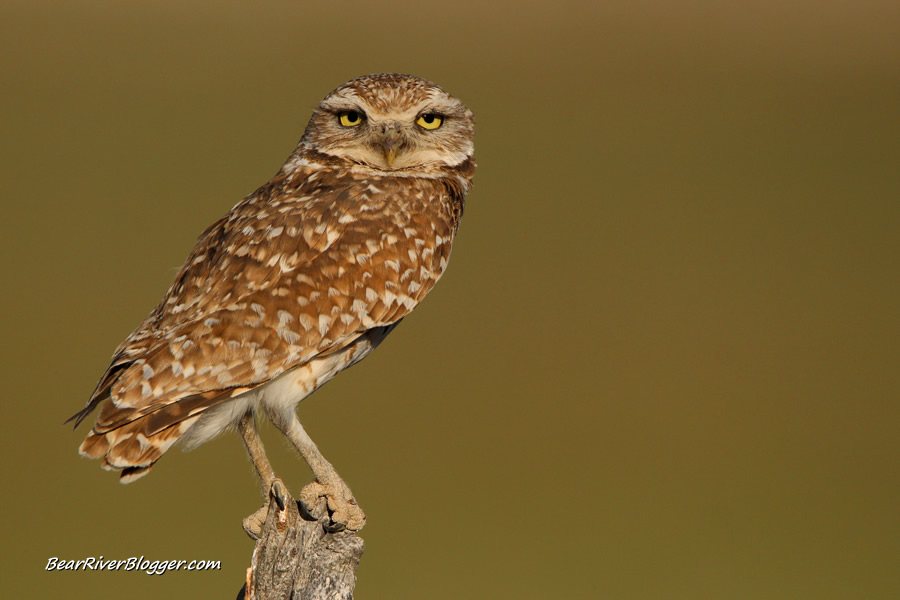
<point x="334" y="527"/>
<point x="279" y="493"/>
<point x="305" y="511"/>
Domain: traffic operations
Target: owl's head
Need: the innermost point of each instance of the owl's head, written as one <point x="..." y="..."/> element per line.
<point x="392" y="122"/>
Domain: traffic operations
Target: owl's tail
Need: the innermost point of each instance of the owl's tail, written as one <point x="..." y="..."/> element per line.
<point x="131" y="441"/>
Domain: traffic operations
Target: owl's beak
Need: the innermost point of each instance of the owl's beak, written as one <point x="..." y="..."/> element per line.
<point x="390" y="155"/>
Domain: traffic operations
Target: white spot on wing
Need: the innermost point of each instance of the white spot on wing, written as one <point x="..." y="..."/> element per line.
<point x="291" y="337"/>
<point x="324" y="324"/>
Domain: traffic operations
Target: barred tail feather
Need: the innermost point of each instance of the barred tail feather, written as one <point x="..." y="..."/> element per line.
<point x="130" y="442"/>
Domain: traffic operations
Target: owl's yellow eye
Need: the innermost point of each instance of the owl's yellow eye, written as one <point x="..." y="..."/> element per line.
<point x="350" y="118"/>
<point x="429" y="121"/>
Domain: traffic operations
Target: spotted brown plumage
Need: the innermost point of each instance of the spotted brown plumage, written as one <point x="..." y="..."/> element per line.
<point x="301" y="279"/>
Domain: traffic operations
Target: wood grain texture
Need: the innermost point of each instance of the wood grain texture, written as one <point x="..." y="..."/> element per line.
<point x="297" y="559"/>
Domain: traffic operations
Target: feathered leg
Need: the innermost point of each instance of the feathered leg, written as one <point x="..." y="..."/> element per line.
<point x="268" y="482"/>
<point x="346" y="513"/>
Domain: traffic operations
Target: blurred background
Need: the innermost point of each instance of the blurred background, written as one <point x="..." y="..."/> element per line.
<point x="664" y="360"/>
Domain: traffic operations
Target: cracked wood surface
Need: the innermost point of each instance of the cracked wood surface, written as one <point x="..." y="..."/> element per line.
<point x="297" y="559"/>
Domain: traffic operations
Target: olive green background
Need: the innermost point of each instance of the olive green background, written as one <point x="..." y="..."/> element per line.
<point x="664" y="360"/>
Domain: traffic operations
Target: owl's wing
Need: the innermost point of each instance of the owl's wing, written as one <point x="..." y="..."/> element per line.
<point x="272" y="285"/>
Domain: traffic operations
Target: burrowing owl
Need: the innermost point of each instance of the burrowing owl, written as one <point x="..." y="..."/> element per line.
<point x="299" y="281"/>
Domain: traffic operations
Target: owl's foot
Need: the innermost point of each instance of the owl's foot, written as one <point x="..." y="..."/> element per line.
<point x="253" y="525"/>
<point x="345" y="513"/>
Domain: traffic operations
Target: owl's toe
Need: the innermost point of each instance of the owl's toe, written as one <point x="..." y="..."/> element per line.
<point x="344" y="512"/>
<point x="253" y="525"/>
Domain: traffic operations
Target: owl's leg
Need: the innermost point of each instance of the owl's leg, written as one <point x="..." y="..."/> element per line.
<point x="345" y="512"/>
<point x="254" y="523"/>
